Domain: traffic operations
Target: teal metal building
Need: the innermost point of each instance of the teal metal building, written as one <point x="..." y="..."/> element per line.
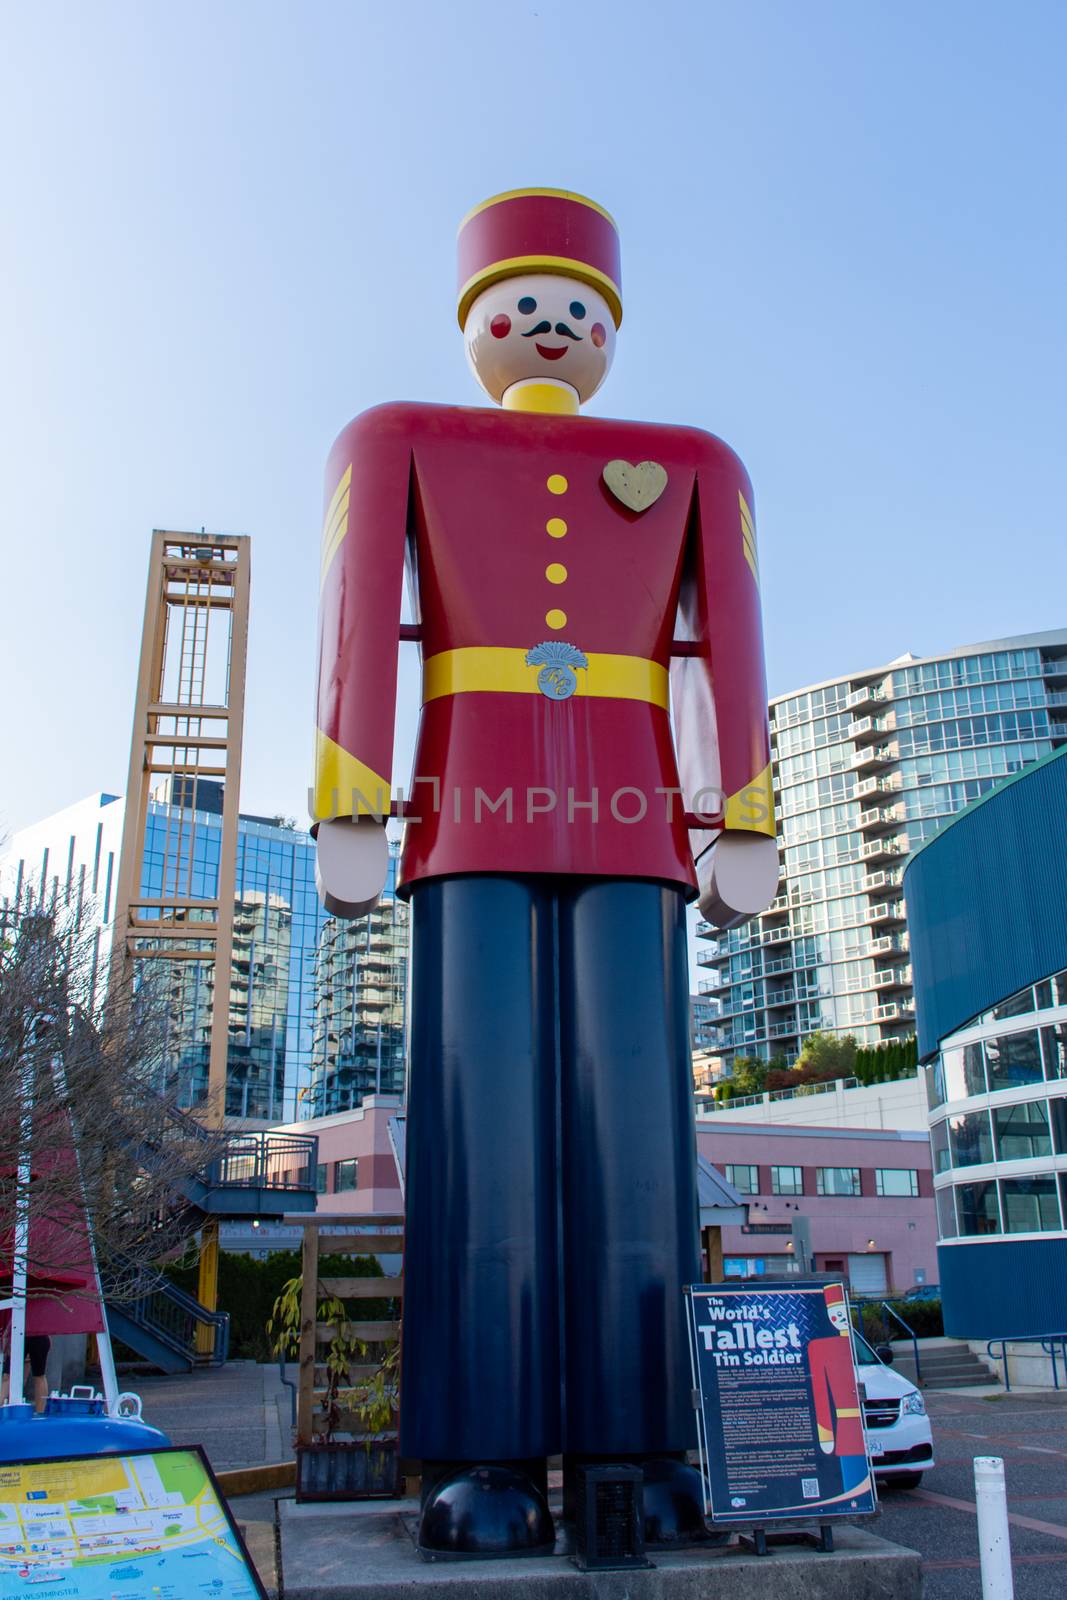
<point x="987" y="916"/>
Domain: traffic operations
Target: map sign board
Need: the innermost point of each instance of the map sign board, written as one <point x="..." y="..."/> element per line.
<point x="146" y="1526"/>
<point x="780" y="1421"/>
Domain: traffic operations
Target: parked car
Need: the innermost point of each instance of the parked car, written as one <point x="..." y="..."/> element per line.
<point x="923" y="1291"/>
<point x="899" y="1438"/>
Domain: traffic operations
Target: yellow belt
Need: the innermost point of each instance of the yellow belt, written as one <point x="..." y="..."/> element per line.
<point x="500" y="669"/>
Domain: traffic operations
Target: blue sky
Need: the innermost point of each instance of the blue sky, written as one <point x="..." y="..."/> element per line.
<point x="225" y="228"/>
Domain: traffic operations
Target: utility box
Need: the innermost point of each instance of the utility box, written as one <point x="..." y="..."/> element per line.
<point x="609" y="1518"/>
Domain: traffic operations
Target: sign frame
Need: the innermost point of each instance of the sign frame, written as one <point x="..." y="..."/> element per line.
<point x="754" y="1509"/>
<point x="163" y="1450"/>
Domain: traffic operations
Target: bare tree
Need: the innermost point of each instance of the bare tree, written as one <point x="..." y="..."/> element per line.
<point x="80" y="1084"/>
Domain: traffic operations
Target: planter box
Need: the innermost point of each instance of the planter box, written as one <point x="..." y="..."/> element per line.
<point x="358" y="1469"/>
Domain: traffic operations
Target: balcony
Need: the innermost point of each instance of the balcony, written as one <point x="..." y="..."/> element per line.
<point x="867" y="788"/>
<point x="780" y="997"/>
<point x="779" y="964"/>
<point x="889" y="944"/>
<point x="705" y="986"/>
<point x="886" y="878"/>
<point x="709" y="958"/>
<point x="880" y="817"/>
<point x="778" y="905"/>
<point x="888" y="911"/>
<point x="871" y="694"/>
<point x="1055" y="668"/>
<point x="893" y="978"/>
<point x="867" y="728"/>
<point x="875" y="755"/>
<point x="782" y="935"/>
<point x="705" y="930"/>
<point x="895" y="1011"/>
<point x="885" y="846"/>
<point x="783" y="1030"/>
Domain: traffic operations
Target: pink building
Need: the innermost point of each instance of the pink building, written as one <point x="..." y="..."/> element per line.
<point x="867" y="1195"/>
<point x="358" y="1171"/>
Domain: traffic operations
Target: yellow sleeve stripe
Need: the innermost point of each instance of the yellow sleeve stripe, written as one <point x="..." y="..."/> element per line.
<point x="345" y="786"/>
<point x="751" y="809"/>
<point x="748" y="535"/>
<point x="335" y="524"/>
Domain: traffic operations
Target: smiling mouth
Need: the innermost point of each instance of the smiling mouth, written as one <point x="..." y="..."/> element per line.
<point x="551" y="352"/>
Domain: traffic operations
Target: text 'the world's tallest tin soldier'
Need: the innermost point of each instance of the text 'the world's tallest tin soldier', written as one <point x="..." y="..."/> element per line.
<point x="593" y="752"/>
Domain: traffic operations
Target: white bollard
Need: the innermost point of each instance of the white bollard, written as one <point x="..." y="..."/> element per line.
<point x="994" y="1538"/>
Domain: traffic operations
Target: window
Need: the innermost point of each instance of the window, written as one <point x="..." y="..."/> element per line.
<point x="964" y="1074"/>
<point x="976" y="1204"/>
<point x="744" y="1179"/>
<point x="345" y="1175"/>
<point x="1013" y="1061"/>
<point x="946" y="1214"/>
<point x="837" y="1180"/>
<point x="1022" y="1131"/>
<point x="787" y="1180"/>
<point x="972" y="1141"/>
<point x="1054" y="1041"/>
<point x="893" y="1181"/>
<point x="321" y="1172"/>
<point x="939" y="1146"/>
<point x="1030" y="1205"/>
<point x="1053" y="992"/>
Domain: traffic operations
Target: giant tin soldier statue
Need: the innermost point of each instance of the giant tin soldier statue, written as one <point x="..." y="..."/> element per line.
<point x="573" y="578"/>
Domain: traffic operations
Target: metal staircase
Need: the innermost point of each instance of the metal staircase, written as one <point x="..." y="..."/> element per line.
<point x="161" y="1325"/>
<point x="258" y="1174"/>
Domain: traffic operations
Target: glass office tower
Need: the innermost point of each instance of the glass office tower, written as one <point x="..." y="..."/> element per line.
<point x="866" y="767"/>
<point x="282" y="1061"/>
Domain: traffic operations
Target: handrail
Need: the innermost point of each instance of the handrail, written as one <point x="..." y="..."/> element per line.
<point x="1048" y="1343"/>
<point x="896" y="1318"/>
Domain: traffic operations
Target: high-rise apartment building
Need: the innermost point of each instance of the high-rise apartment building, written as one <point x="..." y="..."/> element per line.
<point x="292" y="1048"/>
<point x="866" y="767"/>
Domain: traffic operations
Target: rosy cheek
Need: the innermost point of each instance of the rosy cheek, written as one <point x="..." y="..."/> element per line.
<point x="500" y="326"/>
<point x="598" y="334"/>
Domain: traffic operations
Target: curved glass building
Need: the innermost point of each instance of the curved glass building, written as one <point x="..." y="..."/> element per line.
<point x="987" y="909"/>
<point x="867" y="768"/>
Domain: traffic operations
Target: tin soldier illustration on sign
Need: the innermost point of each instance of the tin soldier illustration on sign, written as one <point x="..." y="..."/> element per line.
<point x="573" y="578"/>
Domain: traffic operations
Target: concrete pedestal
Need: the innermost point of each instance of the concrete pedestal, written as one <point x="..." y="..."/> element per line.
<point x="366" y="1551"/>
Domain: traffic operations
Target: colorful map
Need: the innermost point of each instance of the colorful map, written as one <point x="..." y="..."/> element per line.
<point x="138" y="1527"/>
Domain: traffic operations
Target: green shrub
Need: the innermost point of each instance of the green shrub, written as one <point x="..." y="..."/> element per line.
<point x="249" y="1288"/>
<point x="923" y="1317"/>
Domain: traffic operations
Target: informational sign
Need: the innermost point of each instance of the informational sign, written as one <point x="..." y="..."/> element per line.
<point x="149" y="1526"/>
<point x="780" y="1420"/>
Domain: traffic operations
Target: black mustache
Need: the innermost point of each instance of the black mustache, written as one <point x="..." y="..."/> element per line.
<point x="546" y="327"/>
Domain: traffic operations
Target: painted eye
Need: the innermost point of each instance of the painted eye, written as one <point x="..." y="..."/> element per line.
<point x="527" y="304"/>
<point x="598" y="334"/>
<point x="577" y="310"/>
<point x="500" y="326"/>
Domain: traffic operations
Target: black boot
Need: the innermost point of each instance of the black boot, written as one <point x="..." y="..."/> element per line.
<point x="474" y="1512"/>
<point x="674" y="1504"/>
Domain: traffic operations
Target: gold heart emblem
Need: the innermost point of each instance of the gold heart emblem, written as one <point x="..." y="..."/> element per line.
<point x="637" y="486"/>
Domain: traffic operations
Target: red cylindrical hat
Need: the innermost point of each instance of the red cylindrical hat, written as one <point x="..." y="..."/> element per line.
<point x="539" y="230"/>
<point x="834" y="1295"/>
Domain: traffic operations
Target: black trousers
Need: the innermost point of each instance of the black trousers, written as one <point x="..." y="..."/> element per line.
<point x="551" y="1171"/>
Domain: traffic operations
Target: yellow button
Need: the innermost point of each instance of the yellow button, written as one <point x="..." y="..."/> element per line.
<point x="557" y="484"/>
<point x="556" y="527"/>
<point x="556" y="618"/>
<point x="556" y="572"/>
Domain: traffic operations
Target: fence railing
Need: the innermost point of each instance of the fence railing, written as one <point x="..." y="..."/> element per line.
<point x="174" y="1317"/>
<point x="1054" y="1346"/>
<point x="264" y="1160"/>
<point x="883" y="1305"/>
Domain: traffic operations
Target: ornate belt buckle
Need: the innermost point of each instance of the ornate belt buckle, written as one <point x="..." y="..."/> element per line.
<point x="557" y="679"/>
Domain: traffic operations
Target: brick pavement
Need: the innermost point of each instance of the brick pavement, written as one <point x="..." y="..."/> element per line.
<point x="239" y="1413"/>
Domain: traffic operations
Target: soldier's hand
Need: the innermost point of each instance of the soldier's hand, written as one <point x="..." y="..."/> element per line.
<point x="351" y="863"/>
<point x="737" y="877"/>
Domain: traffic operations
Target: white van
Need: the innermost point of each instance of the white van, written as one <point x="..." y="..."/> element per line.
<point x="899" y="1439"/>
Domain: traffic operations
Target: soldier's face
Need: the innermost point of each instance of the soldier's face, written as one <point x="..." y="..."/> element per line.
<point x="839" y="1317"/>
<point x="540" y="326"/>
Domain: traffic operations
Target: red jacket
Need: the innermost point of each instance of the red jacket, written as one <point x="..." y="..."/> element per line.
<point x="514" y="541"/>
<point x="837" y="1405"/>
